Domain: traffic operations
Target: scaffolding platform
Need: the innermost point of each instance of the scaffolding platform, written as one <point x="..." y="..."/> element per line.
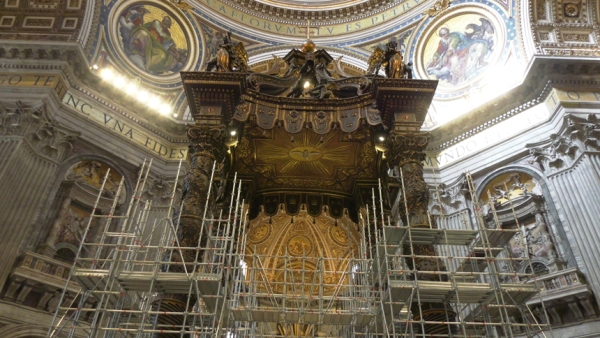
<point x="169" y="282"/>
<point x="315" y="316"/>
<point x="476" y="261"/>
<point x="496" y="237"/>
<point x="395" y="235"/>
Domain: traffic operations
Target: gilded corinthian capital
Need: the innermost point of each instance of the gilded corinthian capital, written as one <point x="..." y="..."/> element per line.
<point x="207" y="141"/>
<point x="406" y="148"/>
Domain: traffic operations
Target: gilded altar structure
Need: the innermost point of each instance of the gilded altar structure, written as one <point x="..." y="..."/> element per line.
<point x="286" y="168"/>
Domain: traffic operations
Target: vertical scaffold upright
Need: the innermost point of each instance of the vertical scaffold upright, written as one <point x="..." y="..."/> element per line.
<point x="133" y="267"/>
<point x="482" y="297"/>
<point x="313" y="292"/>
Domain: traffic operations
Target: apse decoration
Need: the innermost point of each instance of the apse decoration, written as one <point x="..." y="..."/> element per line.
<point x="152" y="39"/>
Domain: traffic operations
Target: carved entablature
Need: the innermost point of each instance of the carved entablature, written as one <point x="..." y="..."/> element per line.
<point x="43" y="134"/>
<point x="213" y="96"/>
<point x="563" y="150"/>
<point x="295" y="115"/>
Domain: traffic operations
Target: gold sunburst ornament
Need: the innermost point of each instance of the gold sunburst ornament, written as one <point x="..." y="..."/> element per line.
<point x="307" y="153"/>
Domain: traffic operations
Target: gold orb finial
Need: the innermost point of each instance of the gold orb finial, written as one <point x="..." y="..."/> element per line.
<point x="308" y="46"/>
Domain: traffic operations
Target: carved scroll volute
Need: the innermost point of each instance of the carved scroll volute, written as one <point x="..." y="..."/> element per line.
<point x="207" y="145"/>
<point x="406" y="151"/>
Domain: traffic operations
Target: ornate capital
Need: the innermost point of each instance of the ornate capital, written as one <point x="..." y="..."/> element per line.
<point x="207" y="141"/>
<point x="32" y="122"/>
<point x="404" y="148"/>
<point x="562" y="150"/>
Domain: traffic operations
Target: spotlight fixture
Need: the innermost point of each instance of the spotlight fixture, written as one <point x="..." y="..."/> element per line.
<point x="95" y="67"/>
<point x="153" y="102"/>
<point x="107" y="74"/>
<point x="142" y="95"/>
<point x="119" y="81"/>
<point x="380" y="137"/>
<point x="131" y="88"/>
<point x="233" y="132"/>
<point x="306" y="84"/>
<point x="165" y="109"/>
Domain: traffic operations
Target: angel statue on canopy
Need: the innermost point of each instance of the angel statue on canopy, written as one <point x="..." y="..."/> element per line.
<point x="391" y="60"/>
<point x="229" y="57"/>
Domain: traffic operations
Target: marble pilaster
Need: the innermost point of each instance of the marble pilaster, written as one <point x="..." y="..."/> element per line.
<point x="32" y="146"/>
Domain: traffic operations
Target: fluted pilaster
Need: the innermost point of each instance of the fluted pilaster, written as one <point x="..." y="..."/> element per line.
<point x="31" y="148"/>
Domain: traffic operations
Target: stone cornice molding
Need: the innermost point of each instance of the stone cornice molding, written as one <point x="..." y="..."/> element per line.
<point x="578" y="137"/>
<point x="544" y="74"/>
<point x="69" y="60"/>
<point x="317" y="14"/>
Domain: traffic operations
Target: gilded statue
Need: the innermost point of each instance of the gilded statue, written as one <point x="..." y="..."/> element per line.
<point x="391" y="60"/>
<point x="375" y="61"/>
<point x="229" y="58"/>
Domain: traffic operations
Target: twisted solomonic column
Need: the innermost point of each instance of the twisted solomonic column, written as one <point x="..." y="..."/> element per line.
<point x="406" y="151"/>
<point x="207" y="145"/>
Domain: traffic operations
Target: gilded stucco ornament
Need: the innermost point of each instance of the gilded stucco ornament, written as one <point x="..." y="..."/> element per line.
<point x="438" y="7"/>
<point x="571" y="10"/>
<point x="302" y="240"/>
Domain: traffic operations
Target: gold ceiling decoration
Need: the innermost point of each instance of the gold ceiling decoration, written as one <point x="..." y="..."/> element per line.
<point x="279" y="160"/>
<point x="296" y="330"/>
<point x="307" y="153"/>
<point x="438" y="7"/>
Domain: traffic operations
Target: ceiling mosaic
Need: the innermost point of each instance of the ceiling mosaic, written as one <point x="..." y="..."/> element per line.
<point x="152" y="40"/>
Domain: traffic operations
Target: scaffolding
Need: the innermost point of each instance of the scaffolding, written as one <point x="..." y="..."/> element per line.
<point x="302" y="293"/>
<point x="398" y="281"/>
<point x="477" y="296"/>
<point x="135" y="273"/>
